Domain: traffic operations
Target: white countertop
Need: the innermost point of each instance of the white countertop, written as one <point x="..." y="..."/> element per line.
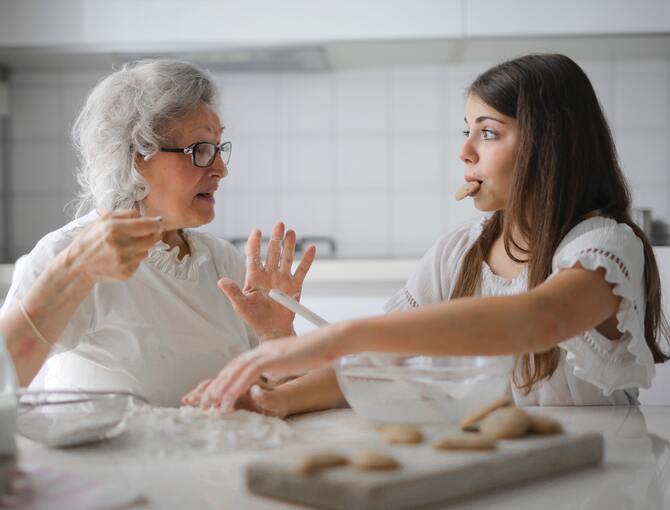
<point x="362" y="270"/>
<point x="635" y="472"/>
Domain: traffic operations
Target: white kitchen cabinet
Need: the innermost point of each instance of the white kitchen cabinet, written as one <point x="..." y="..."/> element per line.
<point x="502" y="18"/>
<point x="166" y="25"/>
<point x="171" y="25"/>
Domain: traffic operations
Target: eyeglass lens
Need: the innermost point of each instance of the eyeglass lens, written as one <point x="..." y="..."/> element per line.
<point x="204" y="153"/>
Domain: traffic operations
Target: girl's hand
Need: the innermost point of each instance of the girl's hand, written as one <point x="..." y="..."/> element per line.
<point x="261" y="398"/>
<point x="268" y="318"/>
<point x="287" y="355"/>
<point x="264" y="399"/>
<point x="113" y="247"/>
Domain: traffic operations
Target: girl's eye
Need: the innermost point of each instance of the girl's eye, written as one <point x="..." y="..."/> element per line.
<point x="466" y="132"/>
<point x="488" y="134"/>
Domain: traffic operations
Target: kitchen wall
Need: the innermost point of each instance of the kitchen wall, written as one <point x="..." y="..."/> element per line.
<point x="3" y="176"/>
<point x="367" y="156"/>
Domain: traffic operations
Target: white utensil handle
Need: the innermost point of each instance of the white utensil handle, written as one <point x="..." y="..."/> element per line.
<point x="290" y="303"/>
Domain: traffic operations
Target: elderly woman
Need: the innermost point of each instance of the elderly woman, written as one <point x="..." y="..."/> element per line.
<point x="125" y="297"/>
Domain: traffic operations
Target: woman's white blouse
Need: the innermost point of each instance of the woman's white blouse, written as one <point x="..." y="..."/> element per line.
<point x="159" y="333"/>
<point x="592" y="369"/>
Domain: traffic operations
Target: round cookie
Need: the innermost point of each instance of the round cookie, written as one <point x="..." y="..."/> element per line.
<point x="314" y="462"/>
<point x="545" y="426"/>
<point x="400" y="434"/>
<point x="506" y="423"/>
<point x="466" y="442"/>
<point x="369" y="460"/>
<point x="470" y="420"/>
<point x="467" y="189"/>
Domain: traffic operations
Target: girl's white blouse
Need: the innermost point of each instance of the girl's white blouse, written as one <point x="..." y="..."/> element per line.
<point x="592" y="369"/>
<point x="158" y="334"/>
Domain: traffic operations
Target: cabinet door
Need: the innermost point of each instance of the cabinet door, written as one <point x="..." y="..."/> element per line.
<point x="485" y="18"/>
<point x="155" y="25"/>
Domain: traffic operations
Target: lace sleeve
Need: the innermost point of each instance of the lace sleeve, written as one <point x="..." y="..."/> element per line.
<point x="625" y="362"/>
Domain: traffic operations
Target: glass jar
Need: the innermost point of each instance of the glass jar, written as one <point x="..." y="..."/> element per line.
<point x="8" y="403"/>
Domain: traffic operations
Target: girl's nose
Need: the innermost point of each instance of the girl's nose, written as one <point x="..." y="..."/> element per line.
<point x="468" y="155"/>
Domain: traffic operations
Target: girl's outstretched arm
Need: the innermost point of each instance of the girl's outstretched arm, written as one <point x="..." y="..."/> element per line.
<point x="563" y="306"/>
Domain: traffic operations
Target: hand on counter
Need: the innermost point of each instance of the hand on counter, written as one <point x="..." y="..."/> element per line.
<point x="260" y="398"/>
<point x="282" y="356"/>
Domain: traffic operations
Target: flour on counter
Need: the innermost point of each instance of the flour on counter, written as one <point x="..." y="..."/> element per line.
<point x="169" y="432"/>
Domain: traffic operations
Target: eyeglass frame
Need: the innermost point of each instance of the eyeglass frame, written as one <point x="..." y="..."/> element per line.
<point x="218" y="149"/>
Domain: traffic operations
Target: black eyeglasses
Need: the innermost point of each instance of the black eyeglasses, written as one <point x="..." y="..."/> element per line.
<point x="203" y="154"/>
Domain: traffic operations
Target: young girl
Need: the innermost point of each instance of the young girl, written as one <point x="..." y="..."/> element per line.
<point x="557" y="274"/>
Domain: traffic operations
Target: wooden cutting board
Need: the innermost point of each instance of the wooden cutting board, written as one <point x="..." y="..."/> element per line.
<point x="426" y="475"/>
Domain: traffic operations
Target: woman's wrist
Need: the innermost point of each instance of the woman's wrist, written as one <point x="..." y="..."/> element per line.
<point x="70" y="265"/>
<point x="273" y="334"/>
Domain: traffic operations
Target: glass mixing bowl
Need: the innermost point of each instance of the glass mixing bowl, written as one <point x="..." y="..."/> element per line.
<point x="385" y="388"/>
<point x="71" y="418"/>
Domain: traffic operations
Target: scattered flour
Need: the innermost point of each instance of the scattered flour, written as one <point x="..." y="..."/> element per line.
<point x="170" y="432"/>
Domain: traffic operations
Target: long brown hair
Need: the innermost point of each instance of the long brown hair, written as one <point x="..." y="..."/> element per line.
<point x="566" y="170"/>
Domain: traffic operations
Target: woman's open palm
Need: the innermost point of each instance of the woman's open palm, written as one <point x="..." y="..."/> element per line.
<point x="268" y="318"/>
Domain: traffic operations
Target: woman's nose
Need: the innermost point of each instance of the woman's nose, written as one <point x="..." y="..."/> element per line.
<point x="219" y="168"/>
<point x="468" y="154"/>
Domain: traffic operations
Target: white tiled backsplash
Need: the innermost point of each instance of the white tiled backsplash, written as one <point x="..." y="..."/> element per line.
<point x="369" y="157"/>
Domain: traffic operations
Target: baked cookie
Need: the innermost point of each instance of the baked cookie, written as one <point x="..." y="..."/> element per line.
<point x="314" y="462"/>
<point x="466" y="442"/>
<point x="470" y="421"/>
<point x="369" y="460"/>
<point x="467" y="189"/>
<point x="506" y="423"/>
<point x="400" y="434"/>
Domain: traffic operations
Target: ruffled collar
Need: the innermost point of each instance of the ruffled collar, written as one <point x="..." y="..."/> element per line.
<point x="501" y="280"/>
<point x="166" y="258"/>
<point x="492" y="281"/>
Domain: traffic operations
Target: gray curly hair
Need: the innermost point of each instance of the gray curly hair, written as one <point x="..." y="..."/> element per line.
<point x="126" y="114"/>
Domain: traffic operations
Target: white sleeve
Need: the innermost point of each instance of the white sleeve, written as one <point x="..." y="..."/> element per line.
<point x="433" y="279"/>
<point x="610" y="364"/>
<point x="26" y="272"/>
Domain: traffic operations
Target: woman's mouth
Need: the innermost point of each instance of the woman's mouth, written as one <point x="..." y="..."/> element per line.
<point x="209" y="197"/>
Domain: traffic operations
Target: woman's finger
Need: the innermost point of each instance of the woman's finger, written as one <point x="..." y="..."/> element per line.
<point x="287" y="253"/>
<point x="305" y="264"/>
<point x="253" y="252"/>
<point x="233" y="292"/>
<point x="137" y="244"/>
<point x="136" y="227"/>
<point x="119" y="213"/>
<point x="275" y="246"/>
<point x="193" y="397"/>
<point x="123" y="213"/>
